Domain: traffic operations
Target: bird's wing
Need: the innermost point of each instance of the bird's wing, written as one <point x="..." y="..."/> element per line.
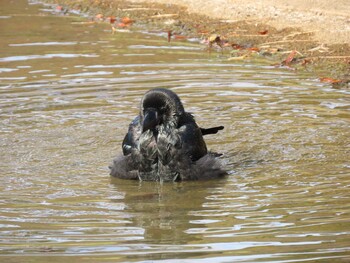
<point x="192" y="141"/>
<point x="191" y="138"/>
<point x="130" y="139"/>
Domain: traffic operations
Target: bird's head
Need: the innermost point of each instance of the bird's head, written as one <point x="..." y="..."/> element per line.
<point x="160" y="106"/>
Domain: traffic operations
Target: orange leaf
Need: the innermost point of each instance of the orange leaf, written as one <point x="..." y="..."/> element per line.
<point x="127" y="20"/>
<point x="179" y="37"/>
<point x="330" y="80"/>
<point x="254" y="49"/>
<point x="263" y="32"/>
<point x="290" y="57"/>
<point x="59" y="8"/>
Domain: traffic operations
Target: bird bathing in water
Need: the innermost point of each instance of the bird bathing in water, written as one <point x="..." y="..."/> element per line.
<point x="164" y="143"/>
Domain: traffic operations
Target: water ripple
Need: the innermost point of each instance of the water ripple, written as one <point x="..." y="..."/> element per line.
<point x="63" y="117"/>
<point x="46" y="56"/>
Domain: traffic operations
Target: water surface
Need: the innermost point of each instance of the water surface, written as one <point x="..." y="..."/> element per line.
<point x="67" y="94"/>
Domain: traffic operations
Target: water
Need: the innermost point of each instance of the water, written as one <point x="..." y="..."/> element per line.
<point x="68" y="92"/>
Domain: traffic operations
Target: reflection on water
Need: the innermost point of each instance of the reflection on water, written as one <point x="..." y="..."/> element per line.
<point x="67" y="94"/>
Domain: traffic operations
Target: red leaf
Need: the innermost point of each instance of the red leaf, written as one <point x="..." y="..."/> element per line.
<point x="169" y="35"/>
<point x="263" y="32"/>
<point x="112" y="19"/>
<point x="59" y="8"/>
<point x="330" y="80"/>
<point x="236" y="46"/>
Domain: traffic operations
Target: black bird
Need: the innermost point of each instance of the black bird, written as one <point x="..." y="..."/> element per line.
<point x="164" y="143"/>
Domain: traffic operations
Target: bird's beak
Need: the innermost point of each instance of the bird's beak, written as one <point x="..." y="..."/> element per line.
<point x="150" y="120"/>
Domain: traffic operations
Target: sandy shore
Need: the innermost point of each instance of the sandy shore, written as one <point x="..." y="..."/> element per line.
<point x="328" y="21"/>
<point x="310" y="35"/>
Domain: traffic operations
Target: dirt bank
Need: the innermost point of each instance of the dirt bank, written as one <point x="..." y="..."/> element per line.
<point x="328" y="23"/>
<point x="302" y="35"/>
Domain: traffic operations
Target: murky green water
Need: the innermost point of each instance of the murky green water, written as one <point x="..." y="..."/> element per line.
<point x="68" y="92"/>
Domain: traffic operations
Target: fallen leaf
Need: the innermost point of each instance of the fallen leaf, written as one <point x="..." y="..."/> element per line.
<point x="254" y="49"/>
<point x="179" y="37"/>
<point x="112" y="19"/>
<point x="213" y="38"/>
<point x="263" y="32"/>
<point x="169" y="35"/>
<point x="236" y="46"/>
<point x="290" y="58"/>
<point x="329" y="80"/>
<point x="127" y="20"/>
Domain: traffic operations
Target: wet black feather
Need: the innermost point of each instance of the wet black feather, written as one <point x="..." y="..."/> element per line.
<point x="169" y="147"/>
